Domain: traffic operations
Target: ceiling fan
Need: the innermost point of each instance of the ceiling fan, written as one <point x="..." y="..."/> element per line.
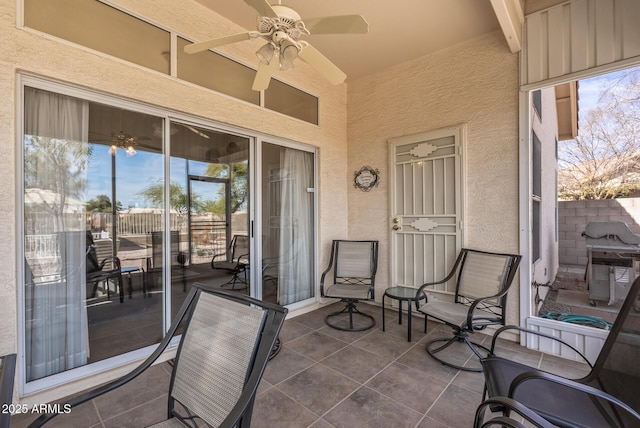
<point x="282" y="27"/>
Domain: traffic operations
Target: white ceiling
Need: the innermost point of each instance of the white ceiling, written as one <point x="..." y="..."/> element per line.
<point x="399" y="30"/>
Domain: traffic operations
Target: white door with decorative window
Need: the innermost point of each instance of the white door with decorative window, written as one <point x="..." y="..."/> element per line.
<point x="426" y="206"/>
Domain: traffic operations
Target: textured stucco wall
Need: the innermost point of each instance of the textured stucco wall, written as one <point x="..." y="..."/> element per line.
<point x="27" y="51"/>
<point x="475" y="83"/>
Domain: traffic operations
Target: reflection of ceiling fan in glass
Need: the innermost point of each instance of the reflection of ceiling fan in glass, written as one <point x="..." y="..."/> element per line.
<point x="159" y="132"/>
<point x="282" y="27"/>
<point x="124" y="141"/>
<point x="119" y="140"/>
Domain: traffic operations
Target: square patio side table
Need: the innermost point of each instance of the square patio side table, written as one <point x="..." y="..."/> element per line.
<point x="401" y="294"/>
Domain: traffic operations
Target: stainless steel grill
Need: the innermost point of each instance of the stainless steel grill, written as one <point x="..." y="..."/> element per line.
<point x="612" y="251"/>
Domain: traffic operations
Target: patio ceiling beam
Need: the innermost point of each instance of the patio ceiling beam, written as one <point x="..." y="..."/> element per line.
<point x="511" y="17"/>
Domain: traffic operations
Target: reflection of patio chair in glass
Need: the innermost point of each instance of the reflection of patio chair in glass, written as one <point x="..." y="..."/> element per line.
<point x="104" y="270"/>
<point x="155" y="263"/>
<point x="234" y="260"/>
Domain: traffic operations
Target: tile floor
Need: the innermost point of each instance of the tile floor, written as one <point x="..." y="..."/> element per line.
<point x="328" y="378"/>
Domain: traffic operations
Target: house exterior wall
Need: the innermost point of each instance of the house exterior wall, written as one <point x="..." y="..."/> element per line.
<point x="27" y="51"/>
<point x="585" y="34"/>
<point x="546" y="128"/>
<point x="474" y="83"/>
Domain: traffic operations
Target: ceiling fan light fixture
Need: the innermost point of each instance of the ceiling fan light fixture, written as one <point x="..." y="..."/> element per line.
<point x="265" y="53"/>
<point x="123" y="141"/>
<point x="288" y="53"/>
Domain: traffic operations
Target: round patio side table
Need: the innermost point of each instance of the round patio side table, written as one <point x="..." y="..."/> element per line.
<point x="402" y="294"/>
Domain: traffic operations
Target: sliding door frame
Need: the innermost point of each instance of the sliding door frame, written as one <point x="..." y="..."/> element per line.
<point x="85" y="375"/>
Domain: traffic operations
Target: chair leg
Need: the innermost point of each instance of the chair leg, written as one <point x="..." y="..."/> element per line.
<point x="235" y="278"/>
<point x="94" y="290"/>
<point x="458" y="336"/>
<point x="352" y="310"/>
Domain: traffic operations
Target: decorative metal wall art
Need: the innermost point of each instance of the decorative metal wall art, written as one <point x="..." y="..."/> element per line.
<point x="366" y="178"/>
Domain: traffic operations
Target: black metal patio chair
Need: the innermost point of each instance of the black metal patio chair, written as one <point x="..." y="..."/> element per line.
<point x="7" y="374"/>
<point x="102" y="270"/>
<point x="606" y="397"/>
<point x="235" y="260"/>
<point x="224" y="349"/>
<point x="482" y="280"/>
<point x="505" y="420"/>
<point x="354" y="265"/>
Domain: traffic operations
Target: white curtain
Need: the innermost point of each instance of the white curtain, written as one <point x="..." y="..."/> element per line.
<point x="56" y="336"/>
<point x="296" y="227"/>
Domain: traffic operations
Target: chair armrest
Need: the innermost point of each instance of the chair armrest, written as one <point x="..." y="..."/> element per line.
<point x="450" y="275"/>
<point x="114" y="259"/>
<point x="442" y="281"/>
<point x="110" y="386"/>
<point x="537" y="333"/>
<point x="508" y="405"/>
<point x="215" y="256"/>
<point x="324" y="274"/>
<point x="522" y="378"/>
<point x="478" y="301"/>
<point x="429" y="284"/>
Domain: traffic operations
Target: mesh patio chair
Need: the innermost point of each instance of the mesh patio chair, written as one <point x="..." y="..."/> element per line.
<point x="606" y="397"/>
<point x="156" y="263"/>
<point x="224" y="349"/>
<point x="354" y="265"/>
<point x="102" y="270"/>
<point x="234" y="260"/>
<point x="7" y="374"/>
<point x="482" y="280"/>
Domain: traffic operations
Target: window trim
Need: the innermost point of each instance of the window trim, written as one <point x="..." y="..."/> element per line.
<point x="173" y="55"/>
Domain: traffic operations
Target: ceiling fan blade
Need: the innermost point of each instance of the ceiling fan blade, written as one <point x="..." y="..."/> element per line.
<point x="342" y="24"/>
<point x="194" y="130"/>
<point x="322" y="64"/>
<point x="203" y="46"/>
<point x="263" y="75"/>
<point x="262" y="7"/>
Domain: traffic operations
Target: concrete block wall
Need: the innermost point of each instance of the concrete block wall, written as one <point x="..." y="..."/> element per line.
<point x="573" y="216"/>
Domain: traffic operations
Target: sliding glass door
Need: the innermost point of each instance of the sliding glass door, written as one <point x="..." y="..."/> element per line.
<point x="125" y="207"/>
<point x="210" y="193"/>
<point x="86" y="167"/>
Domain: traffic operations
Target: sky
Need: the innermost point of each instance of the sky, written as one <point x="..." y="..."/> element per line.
<point x="134" y="174"/>
<point x="589" y="90"/>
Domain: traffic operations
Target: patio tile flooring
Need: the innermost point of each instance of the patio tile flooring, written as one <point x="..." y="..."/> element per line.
<point x="329" y="378"/>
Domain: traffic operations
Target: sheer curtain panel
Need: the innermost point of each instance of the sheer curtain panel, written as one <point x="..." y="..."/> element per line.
<point x="55" y="158"/>
<point x="296" y="226"/>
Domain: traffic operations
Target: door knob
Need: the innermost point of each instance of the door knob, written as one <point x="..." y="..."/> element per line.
<point x="396" y="227"/>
